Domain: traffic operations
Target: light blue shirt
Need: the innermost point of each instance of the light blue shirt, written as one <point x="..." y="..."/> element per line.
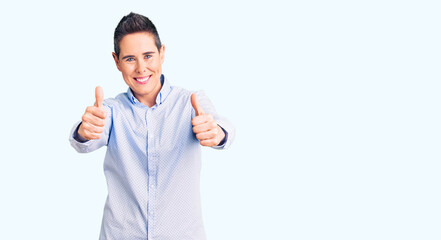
<point x="152" y="166"/>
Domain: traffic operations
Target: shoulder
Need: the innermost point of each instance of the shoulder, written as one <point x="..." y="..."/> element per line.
<point x="113" y="104"/>
<point x="182" y="95"/>
<point x="179" y="93"/>
<point x="120" y="99"/>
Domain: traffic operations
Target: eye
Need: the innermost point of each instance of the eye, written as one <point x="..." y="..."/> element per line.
<point x="147" y="56"/>
<point x="130" y="59"/>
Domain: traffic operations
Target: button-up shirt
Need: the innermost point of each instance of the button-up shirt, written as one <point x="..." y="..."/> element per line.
<point x="152" y="165"/>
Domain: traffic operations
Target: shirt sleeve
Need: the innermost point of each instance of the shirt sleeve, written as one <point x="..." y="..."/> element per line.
<point x="225" y="125"/>
<point x="84" y="146"/>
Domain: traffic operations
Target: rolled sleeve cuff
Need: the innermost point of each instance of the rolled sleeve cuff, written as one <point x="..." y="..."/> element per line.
<point x="229" y="135"/>
<point x="77" y="141"/>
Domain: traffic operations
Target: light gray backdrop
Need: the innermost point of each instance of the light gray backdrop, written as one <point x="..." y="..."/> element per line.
<point x="336" y="105"/>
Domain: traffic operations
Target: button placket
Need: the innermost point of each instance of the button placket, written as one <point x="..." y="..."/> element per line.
<point x="152" y="164"/>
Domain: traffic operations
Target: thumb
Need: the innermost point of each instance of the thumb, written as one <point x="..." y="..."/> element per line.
<point x="99" y="95"/>
<point x="196" y="106"/>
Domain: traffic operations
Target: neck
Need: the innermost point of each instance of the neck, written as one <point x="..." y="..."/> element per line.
<point x="149" y="102"/>
<point x="148" y="99"/>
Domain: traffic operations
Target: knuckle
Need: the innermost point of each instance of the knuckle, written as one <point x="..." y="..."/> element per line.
<point x="86" y="126"/>
<point x="86" y="135"/>
<point x="208" y="143"/>
<point x="102" y="113"/>
<point x="196" y="120"/>
<point x="100" y="130"/>
<point x="212" y="134"/>
<point x="94" y="136"/>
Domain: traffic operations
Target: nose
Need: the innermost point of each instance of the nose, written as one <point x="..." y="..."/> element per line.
<point x="141" y="67"/>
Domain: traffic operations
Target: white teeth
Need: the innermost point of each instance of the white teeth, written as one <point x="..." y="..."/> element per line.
<point x="142" y="79"/>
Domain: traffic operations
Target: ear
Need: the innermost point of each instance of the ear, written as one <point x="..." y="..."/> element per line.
<point x="162" y="53"/>
<point x="115" y="58"/>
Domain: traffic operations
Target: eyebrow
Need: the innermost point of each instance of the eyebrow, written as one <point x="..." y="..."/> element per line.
<point x="129" y="56"/>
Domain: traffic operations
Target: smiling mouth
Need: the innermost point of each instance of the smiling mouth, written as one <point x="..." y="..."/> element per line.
<point x="143" y="80"/>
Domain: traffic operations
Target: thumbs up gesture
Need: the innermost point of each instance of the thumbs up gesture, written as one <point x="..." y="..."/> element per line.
<point x="94" y="118"/>
<point x="204" y="126"/>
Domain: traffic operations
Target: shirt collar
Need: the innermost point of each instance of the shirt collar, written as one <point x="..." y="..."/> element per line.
<point x="160" y="98"/>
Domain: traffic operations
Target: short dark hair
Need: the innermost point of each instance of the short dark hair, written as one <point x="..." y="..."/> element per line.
<point x="133" y="23"/>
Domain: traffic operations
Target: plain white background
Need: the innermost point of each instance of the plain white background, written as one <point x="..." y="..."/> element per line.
<point x="336" y="105"/>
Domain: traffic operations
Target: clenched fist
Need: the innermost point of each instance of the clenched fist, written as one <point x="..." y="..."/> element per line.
<point x="204" y="126"/>
<point x="94" y="118"/>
